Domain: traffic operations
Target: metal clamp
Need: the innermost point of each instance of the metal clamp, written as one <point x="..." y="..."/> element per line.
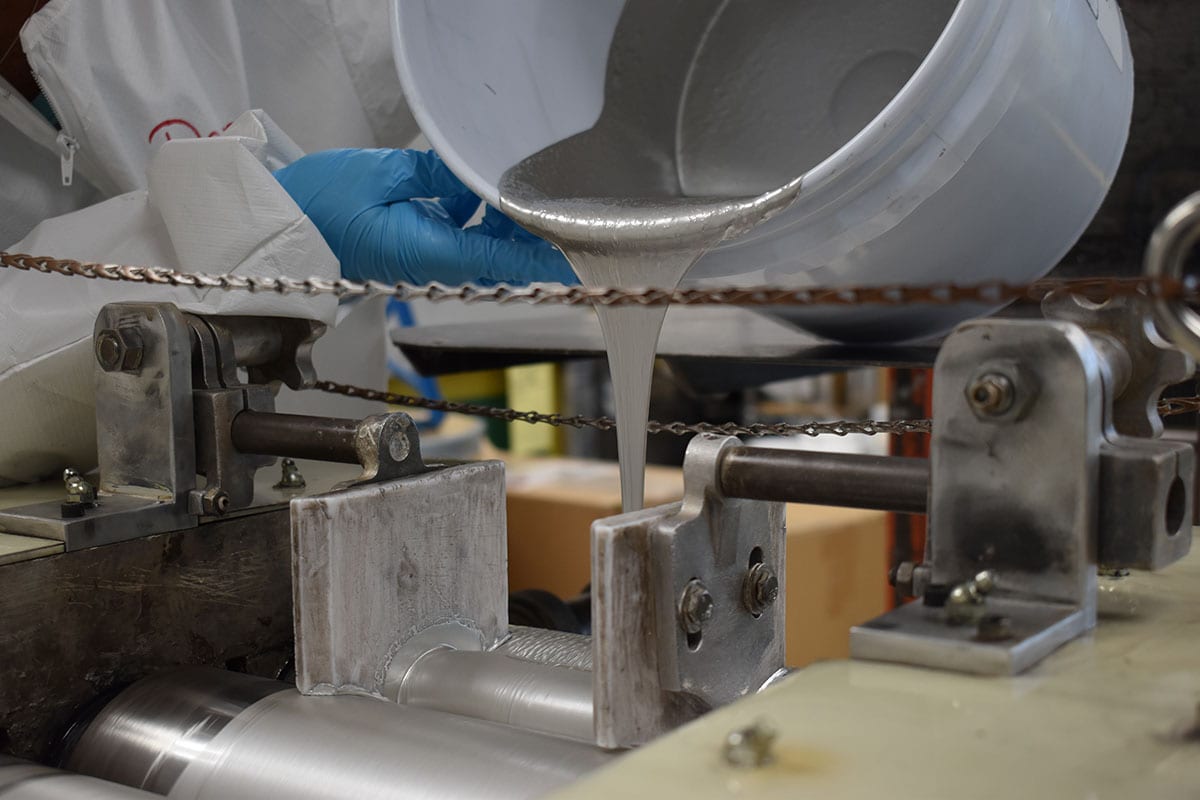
<point x="688" y="604"/>
<point x="1044" y="463"/>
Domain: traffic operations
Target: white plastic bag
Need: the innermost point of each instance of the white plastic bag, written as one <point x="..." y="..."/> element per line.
<point x="212" y="206"/>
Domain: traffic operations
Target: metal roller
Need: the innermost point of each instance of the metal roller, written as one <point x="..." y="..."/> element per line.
<point x="289" y="745"/>
<point x="21" y="780"/>
<point x="492" y="686"/>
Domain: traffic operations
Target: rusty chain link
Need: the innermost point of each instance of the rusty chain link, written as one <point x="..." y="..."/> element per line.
<point x="991" y="293"/>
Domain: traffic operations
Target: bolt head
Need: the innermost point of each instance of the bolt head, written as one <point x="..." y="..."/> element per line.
<point x="109" y="350"/>
<point x="119" y="349"/>
<point x="751" y="747"/>
<point x="696" y="607"/>
<point x="768" y="590"/>
<point x="760" y="589"/>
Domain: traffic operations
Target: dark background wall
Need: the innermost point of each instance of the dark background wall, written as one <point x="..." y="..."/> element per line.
<point x="1162" y="162"/>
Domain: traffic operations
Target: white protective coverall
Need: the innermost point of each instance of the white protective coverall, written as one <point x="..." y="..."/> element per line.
<point x="153" y="99"/>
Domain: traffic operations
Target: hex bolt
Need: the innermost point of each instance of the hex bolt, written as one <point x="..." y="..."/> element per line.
<point x="751" y="747"/>
<point x="760" y="589"/>
<point x="696" y="607"/>
<point x="119" y="349"/>
<point x="81" y="495"/>
<point x="78" y="489"/>
<point x="290" y="476"/>
<point x="992" y="394"/>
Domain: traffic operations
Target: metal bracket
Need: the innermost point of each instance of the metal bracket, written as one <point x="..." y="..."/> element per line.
<point x="382" y="568"/>
<point x="167" y="391"/>
<point x="688" y="605"/>
<point x="1019" y="418"/>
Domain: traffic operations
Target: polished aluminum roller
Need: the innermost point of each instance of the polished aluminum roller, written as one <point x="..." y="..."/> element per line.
<point x="21" y="780"/>
<point x="288" y="745"/>
<point x="492" y="686"/>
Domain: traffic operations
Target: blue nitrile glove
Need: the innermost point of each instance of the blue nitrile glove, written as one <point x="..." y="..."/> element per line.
<point x="397" y="215"/>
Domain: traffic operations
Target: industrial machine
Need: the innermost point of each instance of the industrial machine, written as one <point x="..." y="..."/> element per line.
<point x="243" y="603"/>
<point x="1048" y="477"/>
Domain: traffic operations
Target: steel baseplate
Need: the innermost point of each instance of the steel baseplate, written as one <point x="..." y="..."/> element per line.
<point x="1014" y="502"/>
<point x="688" y="605"/>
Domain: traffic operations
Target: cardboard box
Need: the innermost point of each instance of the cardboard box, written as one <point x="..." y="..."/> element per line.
<point x="837" y="558"/>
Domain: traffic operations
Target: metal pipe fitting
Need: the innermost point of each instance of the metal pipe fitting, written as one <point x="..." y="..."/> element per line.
<point x="830" y="479"/>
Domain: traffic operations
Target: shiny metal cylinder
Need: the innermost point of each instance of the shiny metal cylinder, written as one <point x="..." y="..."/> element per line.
<point x="155" y="729"/>
<point x="296" y="436"/>
<point x="22" y="780"/>
<point x="885" y="483"/>
<point x="492" y="686"/>
<point x="289" y="745"/>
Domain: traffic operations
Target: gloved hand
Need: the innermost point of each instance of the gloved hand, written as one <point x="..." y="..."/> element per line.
<point x="397" y="215"/>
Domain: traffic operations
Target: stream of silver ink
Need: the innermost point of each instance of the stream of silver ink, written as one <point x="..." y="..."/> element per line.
<point x="630" y="207"/>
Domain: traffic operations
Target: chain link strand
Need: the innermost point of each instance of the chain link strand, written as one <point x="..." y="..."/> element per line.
<point x="1167" y="408"/>
<point x="843" y="428"/>
<point x="990" y="293"/>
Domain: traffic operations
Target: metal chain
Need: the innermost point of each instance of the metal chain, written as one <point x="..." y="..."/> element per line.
<point x="1167" y="408"/>
<point x="989" y="292"/>
<point x="842" y="428"/>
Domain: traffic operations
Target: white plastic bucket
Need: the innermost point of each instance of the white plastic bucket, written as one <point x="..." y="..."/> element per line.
<point x="939" y="140"/>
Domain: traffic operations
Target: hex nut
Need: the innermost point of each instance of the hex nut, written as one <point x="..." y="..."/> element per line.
<point x="902" y="576"/>
<point x="696" y="607"/>
<point x="991" y="394"/>
<point x="119" y="349"/>
<point x="214" y="502"/>
<point x="759" y="589"/>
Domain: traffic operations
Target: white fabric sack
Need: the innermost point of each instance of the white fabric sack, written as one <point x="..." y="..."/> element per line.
<point x="124" y="76"/>
<point x="212" y="207"/>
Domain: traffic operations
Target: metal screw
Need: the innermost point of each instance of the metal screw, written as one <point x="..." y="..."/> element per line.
<point x="696" y="606"/>
<point x="992" y="394"/>
<point x="119" y="349"/>
<point x="78" y="489"/>
<point x="760" y="589"/>
<point x="81" y="495"/>
<point x="214" y="502"/>
<point x="290" y="477"/>
<point x="751" y="747"/>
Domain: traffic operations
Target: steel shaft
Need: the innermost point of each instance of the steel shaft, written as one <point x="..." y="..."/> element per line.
<point x="830" y="479"/>
<point x="296" y="436"/>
